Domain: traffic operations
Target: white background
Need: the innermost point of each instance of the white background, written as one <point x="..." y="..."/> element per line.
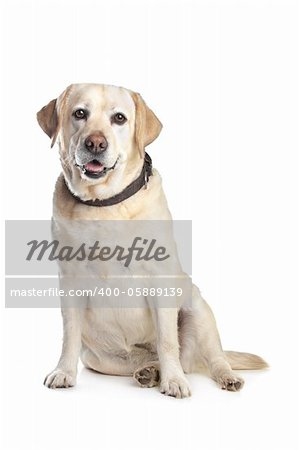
<point x="223" y="78"/>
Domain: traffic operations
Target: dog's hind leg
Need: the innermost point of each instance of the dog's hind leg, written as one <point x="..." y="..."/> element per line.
<point x="200" y="344"/>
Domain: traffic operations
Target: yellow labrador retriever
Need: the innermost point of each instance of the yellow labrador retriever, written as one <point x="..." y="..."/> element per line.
<point x="102" y="133"/>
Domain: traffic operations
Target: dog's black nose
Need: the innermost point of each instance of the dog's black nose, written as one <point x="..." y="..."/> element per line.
<point x="96" y="142"/>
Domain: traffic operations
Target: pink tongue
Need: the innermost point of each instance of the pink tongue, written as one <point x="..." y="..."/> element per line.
<point x="94" y="166"/>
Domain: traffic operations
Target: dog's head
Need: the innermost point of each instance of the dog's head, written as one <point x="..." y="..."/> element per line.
<point x="100" y="130"/>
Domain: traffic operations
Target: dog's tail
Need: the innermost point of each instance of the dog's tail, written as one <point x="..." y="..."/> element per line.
<point x="239" y="361"/>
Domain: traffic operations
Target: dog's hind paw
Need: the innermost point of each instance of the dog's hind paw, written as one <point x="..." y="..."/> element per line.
<point x="148" y="375"/>
<point x="230" y="382"/>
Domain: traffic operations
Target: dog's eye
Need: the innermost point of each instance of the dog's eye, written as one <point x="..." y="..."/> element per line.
<point x="80" y="114"/>
<point x="119" y="118"/>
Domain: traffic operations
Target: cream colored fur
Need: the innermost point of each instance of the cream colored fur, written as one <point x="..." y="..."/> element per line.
<point x="158" y="346"/>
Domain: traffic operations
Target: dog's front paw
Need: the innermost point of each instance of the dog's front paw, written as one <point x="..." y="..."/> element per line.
<point x="176" y="386"/>
<point x="59" y="379"/>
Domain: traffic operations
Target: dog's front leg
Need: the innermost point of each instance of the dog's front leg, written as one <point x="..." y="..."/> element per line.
<point x="173" y="380"/>
<point x="64" y="375"/>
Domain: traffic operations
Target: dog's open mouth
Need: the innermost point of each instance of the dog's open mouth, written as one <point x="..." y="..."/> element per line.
<point x="95" y="169"/>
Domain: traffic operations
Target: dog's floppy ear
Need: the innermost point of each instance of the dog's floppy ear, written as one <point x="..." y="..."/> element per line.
<point x="147" y="125"/>
<point x="47" y="118"/>
<point x="50" y="116"/>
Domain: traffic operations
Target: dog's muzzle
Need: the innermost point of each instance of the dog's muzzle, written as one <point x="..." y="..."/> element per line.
<point x="95" y="169"/>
